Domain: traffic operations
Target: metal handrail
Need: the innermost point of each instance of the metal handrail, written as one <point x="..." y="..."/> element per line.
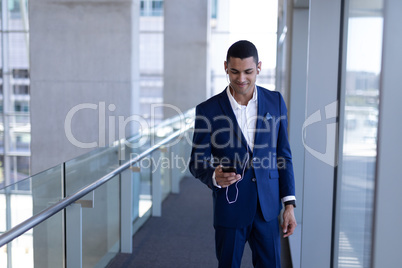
<point x="28" y="224"/>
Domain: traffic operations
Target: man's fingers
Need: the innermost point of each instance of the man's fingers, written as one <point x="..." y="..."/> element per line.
<point x="290" y="229"/>
<point x="286" y="230"/>
<point x="285" y="226"/>
<point x="227" y="174"/>
<point x="227" y="180"/>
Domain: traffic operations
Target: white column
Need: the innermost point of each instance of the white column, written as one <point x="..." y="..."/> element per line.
<point x="297" y="97"/>
<point x="320" y="132"/>
<point x="386" y="237"/>
<point x="298" y="92"/>
<point x="84" y="55"/>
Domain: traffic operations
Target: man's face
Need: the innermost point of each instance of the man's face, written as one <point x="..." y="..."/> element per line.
<point x="242" y="74"/>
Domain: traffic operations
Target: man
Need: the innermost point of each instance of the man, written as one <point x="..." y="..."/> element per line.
<point x="245" y="128"/>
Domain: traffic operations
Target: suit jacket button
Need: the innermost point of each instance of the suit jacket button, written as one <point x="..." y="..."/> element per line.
<point x="253" y="179"/>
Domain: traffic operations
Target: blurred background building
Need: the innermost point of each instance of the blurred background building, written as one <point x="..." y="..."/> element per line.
<point x="14" y="90"/>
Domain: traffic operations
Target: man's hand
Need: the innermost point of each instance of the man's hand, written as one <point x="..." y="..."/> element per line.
<point x="225" y="179"/>
<point x="289" y="221"/>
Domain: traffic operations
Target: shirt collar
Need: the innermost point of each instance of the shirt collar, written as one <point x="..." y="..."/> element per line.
<point x="234" y="103"/>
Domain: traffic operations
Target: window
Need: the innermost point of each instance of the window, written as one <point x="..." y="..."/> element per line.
<point x="214" y="9"/>
<point x="151" y="7"/>
<point x="21" y="89"/>
<point x="20" y="73"/>
<point x="354" y="218"/>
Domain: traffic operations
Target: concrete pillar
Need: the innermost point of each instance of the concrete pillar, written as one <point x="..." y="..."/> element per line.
<point x="320" y="132"/>
<point x="84" y="68"/>
<point x="386" y="242"/>
<point x="84" y="75"/>
<point x="186" y="64"/>
<point x="297" y="97"/>
<point x="297" y="103"/>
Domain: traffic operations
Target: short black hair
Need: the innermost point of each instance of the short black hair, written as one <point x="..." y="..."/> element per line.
<point x="242" y="49"/>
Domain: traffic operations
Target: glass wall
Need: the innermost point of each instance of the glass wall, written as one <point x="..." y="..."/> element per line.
<point x="363" y="26"/>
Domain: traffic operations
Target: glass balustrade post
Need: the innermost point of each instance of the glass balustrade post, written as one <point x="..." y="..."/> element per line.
<point x="136" y="191"/>
<point x="74" y="236"/>
<point x="156" y="185"/>
<point x="165" y="165"/>
<point x="175" y="165"/>
<point x="126" y="211"/>
<point x="8" y="224"/>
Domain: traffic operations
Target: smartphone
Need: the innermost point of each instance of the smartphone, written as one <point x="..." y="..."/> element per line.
<point x="229" y="169"/>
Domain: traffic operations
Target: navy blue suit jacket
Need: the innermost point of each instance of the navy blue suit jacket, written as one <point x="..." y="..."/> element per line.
<point x="268" y="174"/>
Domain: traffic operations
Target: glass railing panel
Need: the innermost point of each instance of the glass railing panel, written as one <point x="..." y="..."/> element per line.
<point x="15" y="204"/>
<point x="185" y="144"/>
<point x="3" y="228"/>
<point x="178" y="164"/>
<point x="48" y="237"/>
<point x="101" y="226"/>
<point x="3" y="256"/>
<point x="174" y="157"/>
<point x="90" y="167"/>
<point x="48" y="242"/>
<point x="185" y="148"/>
<point x="141" y="175"/>
<point x="21" y="252"/>
<point x="19" y="202"/>
<point x="134" y="176"/>
<point x="145" y="193"/>
<point x="160" y="157"/>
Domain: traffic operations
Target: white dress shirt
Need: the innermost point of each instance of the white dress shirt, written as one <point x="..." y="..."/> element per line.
<point x="246" y="116"/>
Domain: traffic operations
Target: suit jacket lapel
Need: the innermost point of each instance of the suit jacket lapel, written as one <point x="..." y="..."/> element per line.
<point x="228" y="111"/>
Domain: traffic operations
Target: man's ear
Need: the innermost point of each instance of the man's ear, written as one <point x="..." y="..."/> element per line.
<point x="226" y="67"/>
